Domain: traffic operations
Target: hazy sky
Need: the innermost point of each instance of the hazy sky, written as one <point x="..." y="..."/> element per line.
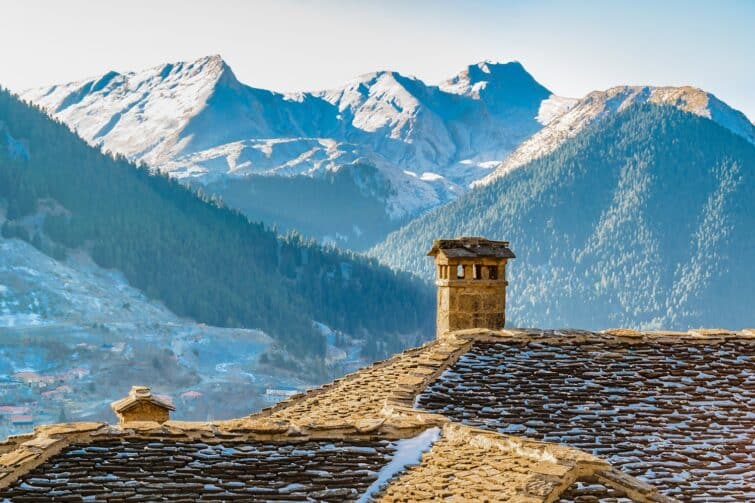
<point x="571" y="48"/>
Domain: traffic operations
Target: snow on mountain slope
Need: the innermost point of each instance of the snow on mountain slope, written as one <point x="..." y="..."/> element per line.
<point x="138" y="114"/>
<point x="89" y="329"/>
<point x="158" y="114"/>
<point x="36" y="290"/>
<point x="196" y="120"/>
<point x="554" y="107"/>
<point x="599" y="104"/>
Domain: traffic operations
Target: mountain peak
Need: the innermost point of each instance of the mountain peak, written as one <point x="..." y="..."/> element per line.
<point x="166" y="96"/>
<point x="214" y="62"/>
<point x="495" y="79"/>
<point x="598" y="105"/>
<point x="379" y="84"/>
<point x="205" y="71"/>
<point x="212" y="67"/>
<point x="216" y="58"/>
<point x="370" y="78"/>
<point x="685" y="98"/>
<point x="484" y="69"/>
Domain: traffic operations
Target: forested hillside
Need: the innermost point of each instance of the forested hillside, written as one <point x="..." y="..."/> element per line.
<point x="202" y="260"/>
<point x="643" y="220"/>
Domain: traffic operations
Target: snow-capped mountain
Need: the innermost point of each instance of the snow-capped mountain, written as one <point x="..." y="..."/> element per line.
<point x="165" y="113"/>
<point x="600" y="104"/>
<point x="386" y="145"/>
<point x="196" y="121"/>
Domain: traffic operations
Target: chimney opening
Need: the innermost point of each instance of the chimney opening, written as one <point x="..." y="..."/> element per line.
<point x="477" y="271"/>
<point x="492" y="272"/>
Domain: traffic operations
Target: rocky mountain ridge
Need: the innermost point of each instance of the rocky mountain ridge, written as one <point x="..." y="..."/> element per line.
<point x="598" y="105"/>
<point x="197" y="122"/>
<point x="383" y="144"/>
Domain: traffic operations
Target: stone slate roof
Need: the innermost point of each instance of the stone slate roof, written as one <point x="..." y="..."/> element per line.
<point x="140" y="470"/>
<point x="471" y="465"/>
<point x="471" y="247"/>
<point x="376" y="407"/>
<point x="591" y="492"/>
<point x="681" y="416"/>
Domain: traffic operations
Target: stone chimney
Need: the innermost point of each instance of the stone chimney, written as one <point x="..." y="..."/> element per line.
<point x="142" y="405"/>
<point x="471" y="281"/>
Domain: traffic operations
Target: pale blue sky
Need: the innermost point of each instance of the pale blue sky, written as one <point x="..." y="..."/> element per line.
<point x="570" y="47"/>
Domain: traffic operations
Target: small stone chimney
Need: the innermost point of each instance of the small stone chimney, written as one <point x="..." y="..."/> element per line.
<point x="471" y="280"/>
<point x="141" y="405"/>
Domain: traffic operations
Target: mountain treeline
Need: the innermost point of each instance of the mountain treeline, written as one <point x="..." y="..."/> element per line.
<point x="646" y="219"/>
<point x="201" y="259"/>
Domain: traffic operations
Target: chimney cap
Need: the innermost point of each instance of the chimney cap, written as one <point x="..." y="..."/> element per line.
<point x="140" y="394"/>
<point x="471" y="247"/>
<point x="141" y="391"/>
